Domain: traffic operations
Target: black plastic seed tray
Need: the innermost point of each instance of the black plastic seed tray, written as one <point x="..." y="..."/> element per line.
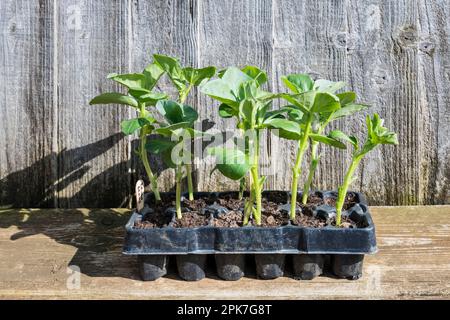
<point x="313" y="250"/>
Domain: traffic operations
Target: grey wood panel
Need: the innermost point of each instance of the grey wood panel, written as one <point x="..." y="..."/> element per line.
<point x="386" y="52"/>
<point x="310" y="44"/>
<point x="58" y="151"/>
<point x="92" y="159"/>
<point x="231" y="33"/>
<point x="391" y="173"/>
<point x="164" y="27"/>
<point x="27" y="115"/>
<point x="434" y="122"/>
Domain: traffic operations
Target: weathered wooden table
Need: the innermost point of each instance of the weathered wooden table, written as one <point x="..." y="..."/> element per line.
<point x="38" y="245"/>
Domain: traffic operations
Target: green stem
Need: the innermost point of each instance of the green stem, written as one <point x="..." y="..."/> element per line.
<point x="256" y="189"/>
<point x="312" y="170"/>
<point x="144" y="158"/>
<point x="297" y="169"/>
<point x="255" y="179"/>
<point x="189" y="180"/>
<point x="242" y="183"/>
<point x="182" y="98"/>
<point x="342" y="190"/>
<point x="248" y="208"/>
<point x="241" y="188"/>
<point x="178" y="177"/>
<point x="183" y="94"/>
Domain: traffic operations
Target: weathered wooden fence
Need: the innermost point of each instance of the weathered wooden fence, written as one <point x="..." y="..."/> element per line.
<point x="55" y="150"/>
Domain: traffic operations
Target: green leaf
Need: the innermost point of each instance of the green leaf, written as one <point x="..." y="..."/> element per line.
<point x="146" y="96"/>
<point x="166" y="157"/>
<point x="348" y="110"/>
<point x="158" y="146"/>
<point x="220" y="90"/>
<point x="130" y="80"/>
<point x="390" y="139"/>
<point x="327" y="140"/>
<point x="275" y="114"/>
<point x="132" y="125"/>
<point x="247" y="111"/>
<point x="295" y="102"/>
<point x="262" y="95"/>
<point x="115" y="98"/>
<point x="152" y="98"/>
<point x="325" y="102"/>
<point x="234" y="77"/>
<point x="346" y="97"/>
<point x="261" y="112"/>
<point x="173" y="69"/>
<point x="286" y="129"/>
<point x="298" y="83"/>
<point x="170" y="110"/>
<point x="167" y="131"/>
<point x="377" y="133"/>
<point x="221" y="72"/>
<point x="175" y="112"/>
<point x="328" y="86"/>
<point x="232" y="163"/>
<point x="152" y="73"/>
<point x="248" y="90"/>
<point x="189" y="113"/>
<point x="339" y="135"/>
<point x="226" y="111"/>
<point x="255" y="73"/>
<point x="295" y="114"/>
<point x="138" y="91"/>
<point x="197" y="76"/>
<point x="262" y="179"/>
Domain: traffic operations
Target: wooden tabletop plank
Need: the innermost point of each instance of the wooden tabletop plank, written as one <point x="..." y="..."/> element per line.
<point x="38" y="245"/>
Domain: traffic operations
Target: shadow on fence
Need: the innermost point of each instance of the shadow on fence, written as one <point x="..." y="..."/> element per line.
<point x="47" y="182"/>
<point x="52" y="181"/>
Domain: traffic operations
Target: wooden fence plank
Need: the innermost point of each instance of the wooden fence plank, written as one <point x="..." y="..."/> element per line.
<point x="27" y="114"/>
<point x="231" y="34"/>
<point x="310" y="44"/>
<point x="164" y="27"/>
<point x="434" y="111"/>
<point x="92" y="159"/>
<point x="389" y="55"/>
<point x="394" y="54"/>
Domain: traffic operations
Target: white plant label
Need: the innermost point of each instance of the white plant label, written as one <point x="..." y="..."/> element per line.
<point x="139" y="195"/>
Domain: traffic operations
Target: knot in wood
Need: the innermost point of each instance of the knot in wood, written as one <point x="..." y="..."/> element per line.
<point x="380" y="78"/>
<point x="427" y="46"/>
<point x="406" y="36"/>
<point x="345" y="40"/>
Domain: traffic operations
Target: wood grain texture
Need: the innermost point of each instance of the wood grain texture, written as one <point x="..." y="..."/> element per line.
<point x="434" y="124"/>
<point x="311" y="45"/>
<point x="163" y="27"/>
<point x="92" y="155"/>
<point x="412" y="261"/>
<point x="231" y="33"/>
<point x="27" y="113"/>
<point x="56" y="55"/>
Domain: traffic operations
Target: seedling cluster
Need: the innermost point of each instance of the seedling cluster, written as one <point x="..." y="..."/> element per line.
<point x="309" y="107"/>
